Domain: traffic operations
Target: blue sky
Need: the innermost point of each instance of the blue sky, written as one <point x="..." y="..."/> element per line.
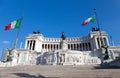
<point x="52" y="17"/>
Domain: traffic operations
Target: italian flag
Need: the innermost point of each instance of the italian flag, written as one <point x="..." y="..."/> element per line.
<point x="13" y="25"/>
<point x="90" y="19"/>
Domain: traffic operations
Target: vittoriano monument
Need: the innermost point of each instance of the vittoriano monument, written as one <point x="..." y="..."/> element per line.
<point x="81" y="50"/>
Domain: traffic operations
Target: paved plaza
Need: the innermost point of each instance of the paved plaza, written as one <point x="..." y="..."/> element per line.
<point x="47" y="71"/>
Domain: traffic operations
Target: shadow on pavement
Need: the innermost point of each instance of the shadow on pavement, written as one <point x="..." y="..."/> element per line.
<point x="105" y="67"/>
<point x="26" y="75"/>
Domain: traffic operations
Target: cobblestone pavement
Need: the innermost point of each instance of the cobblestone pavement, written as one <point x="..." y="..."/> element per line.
<point x="47" y="71"/>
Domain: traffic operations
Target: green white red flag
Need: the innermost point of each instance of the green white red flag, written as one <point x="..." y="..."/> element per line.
<point x="13" y="25"/>
<point x="90" y="19"/>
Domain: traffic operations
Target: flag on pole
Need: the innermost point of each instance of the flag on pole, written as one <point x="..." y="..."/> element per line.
<point x="90" y="19"/>
<point x="13" y="25"/>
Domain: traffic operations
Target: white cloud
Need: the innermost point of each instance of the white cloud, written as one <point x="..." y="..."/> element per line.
<point x="6" y="42"/>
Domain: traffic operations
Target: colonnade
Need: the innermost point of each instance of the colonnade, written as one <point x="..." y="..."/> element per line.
<point x="72" y="46"/>
<point x="31" y="44"/>
<point x="101" y="42"/>
<point x="50" y="47"/>
<point x="80" y="46"/>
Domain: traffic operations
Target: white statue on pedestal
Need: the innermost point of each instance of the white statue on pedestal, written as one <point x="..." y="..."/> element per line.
<point x="64" y="45"/>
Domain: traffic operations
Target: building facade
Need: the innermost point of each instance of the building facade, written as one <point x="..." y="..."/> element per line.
<point x="40" y="50"/>
<point x="39" y="43"/>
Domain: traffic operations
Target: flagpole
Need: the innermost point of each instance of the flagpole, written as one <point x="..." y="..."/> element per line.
<point x="18" y="33"/>
<point x="16" y="40"/>
<point x="99" y="29"/>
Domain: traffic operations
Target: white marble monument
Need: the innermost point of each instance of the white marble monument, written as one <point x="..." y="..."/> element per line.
<point x="40" y="50"/>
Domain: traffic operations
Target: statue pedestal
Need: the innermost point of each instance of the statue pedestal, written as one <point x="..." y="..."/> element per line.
<point x="14" y="58"/>
<point x="64" y="45"/>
